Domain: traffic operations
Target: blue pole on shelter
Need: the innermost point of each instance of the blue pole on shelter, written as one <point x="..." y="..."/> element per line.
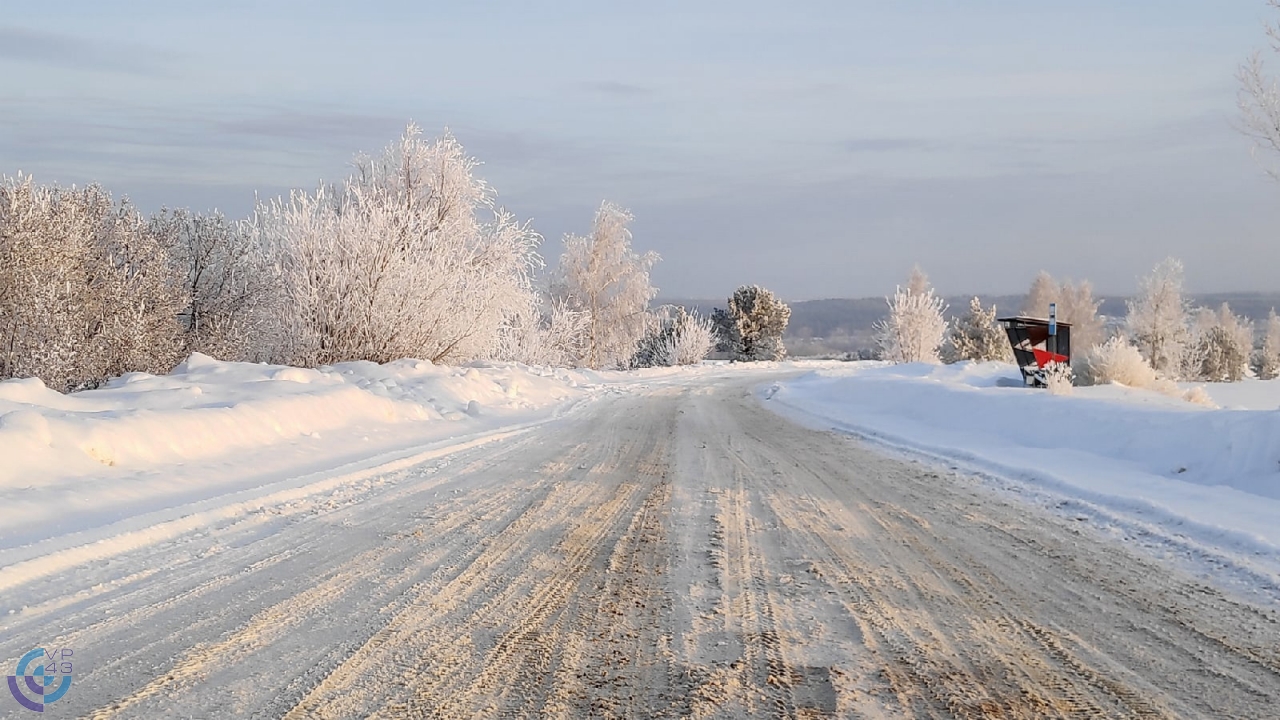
<point x="1053" y="328"/>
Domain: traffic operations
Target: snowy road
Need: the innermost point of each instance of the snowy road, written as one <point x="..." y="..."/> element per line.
<point x="672" y="551"/>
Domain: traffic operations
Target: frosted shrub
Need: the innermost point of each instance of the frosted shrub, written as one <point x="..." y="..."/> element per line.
<point x="1058" y="378"/>
<point x="1117" y="361"/>
<point x="1198" y="396"/>
<point x="552" y="336"/>
<point x="678" y="338"/>
<point x="693" y="340"/>
<point x="86" y="290"/>
<point x="226" y="284"/>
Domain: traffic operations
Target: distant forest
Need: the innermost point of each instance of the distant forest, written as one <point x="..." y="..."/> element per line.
<point x="843" y="325"/>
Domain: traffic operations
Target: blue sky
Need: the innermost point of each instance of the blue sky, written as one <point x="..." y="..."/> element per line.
<point x="819" y="148"/>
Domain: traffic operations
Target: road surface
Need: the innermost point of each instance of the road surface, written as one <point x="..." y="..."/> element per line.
<point x="675" y="551"/>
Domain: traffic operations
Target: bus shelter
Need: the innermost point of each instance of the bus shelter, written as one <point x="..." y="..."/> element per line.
<point x="1036" y="344"/>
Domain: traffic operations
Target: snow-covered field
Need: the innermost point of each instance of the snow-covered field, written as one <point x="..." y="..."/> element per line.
<point x="1196" y="484"/>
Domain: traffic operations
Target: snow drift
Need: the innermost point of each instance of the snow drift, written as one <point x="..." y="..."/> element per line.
<point x="209" y="427"/>
<point x="1134" y="451"/>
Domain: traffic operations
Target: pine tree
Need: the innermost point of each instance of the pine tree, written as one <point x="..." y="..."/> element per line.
<point x="1220" y="346"/>
<point x="976" y="336"/>
<point x="754" y="324"/>
<point x="725" y="331"/>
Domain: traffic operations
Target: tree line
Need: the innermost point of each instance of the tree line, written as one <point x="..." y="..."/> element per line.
<point x="409" y="256"/>
<point x="1161" y="339"/>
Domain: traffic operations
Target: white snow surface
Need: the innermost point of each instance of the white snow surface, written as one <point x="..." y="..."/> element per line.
<point x="144" y="443"/>
<point x="1200" y="481"/>
<point x="148" y="458"/>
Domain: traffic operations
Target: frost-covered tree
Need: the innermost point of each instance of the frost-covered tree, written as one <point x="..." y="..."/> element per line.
<point x="1044" y="290"/>
<point x="976" y="336"/>
<point x="918" y="282"/>
<point x="676" y="337"/>
<point x="1076" y="307"/>
<point x="226" y="283"/>
<point x="1157" y="319"/>
<point x="753" y="324"/>
<point x="1268" y="363"/>
<point x="410" y="257"/>
<point x="1259" y="99"/>
<point x="1080" y="310"/>
<point x="602" y="277"/>
<point x="915" y="328"/>
<point x="1220" y="346"/>
<point x="726" y="334"/>
<point x="86" y="290"/>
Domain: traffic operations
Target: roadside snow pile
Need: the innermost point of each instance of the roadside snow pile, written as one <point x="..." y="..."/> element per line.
<point x="1133" y="451"/>
<point x="207" y="408"/>
<point x="211" y="426"/>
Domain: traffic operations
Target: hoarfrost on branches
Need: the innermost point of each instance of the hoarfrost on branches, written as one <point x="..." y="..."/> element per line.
<point x="676" y="337"/>
<point x="410" y="257"/>
<point x="1116" y="361"/>
<point x="555" y="336"/>
<point x="225" y="284"/>
<point x="1259" y="99"/>
<point x="1157" y="319"/>
<point x="1076" y="307"/>
<point x="86" y="289"/>
<point x="1220" y="346"/>
<point x="752" y="326"/>
<point x="977" y="336"/>
<point x="915" y="328"/>
<point x="1269" y="353"/>
<point x="603" y="278"/>
<point x="1058" y="378"/>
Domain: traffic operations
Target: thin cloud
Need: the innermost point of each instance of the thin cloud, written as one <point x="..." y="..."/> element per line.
<point x="77" y="53"/>
<point x="618" y="89"/>
<point x="323" y="126"/>
<point x="869" y="145"/>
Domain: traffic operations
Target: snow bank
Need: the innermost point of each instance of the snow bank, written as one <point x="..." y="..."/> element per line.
<point x="1131" y="450"/>
<point x="141" y="438"/>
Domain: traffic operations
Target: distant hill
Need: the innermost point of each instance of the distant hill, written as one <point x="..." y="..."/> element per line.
<point x="840" y="325"/>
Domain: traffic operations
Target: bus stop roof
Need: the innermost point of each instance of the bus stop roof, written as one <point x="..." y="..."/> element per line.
<point x="1026" y="320"/>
